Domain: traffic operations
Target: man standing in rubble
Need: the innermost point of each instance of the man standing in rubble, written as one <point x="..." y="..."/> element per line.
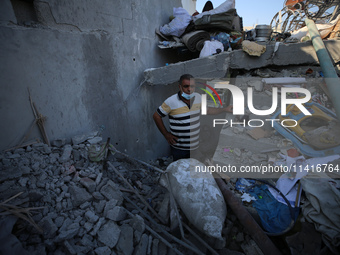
<point x="184" y="110"/>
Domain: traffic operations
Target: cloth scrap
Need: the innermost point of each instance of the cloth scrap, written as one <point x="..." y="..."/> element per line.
<point x="322" y="208"/>
<point x="252" y="48"/>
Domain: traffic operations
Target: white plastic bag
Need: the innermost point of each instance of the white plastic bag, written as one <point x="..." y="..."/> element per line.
<point x="210" y="48"/>
<point x="178" y="25"/>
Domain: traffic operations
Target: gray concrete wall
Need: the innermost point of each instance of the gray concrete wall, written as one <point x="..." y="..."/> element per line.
<point x="84" y="63"/>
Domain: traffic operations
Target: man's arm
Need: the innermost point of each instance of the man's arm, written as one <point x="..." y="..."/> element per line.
<point x="214" y="111"/>
<point x="160" y="124"/>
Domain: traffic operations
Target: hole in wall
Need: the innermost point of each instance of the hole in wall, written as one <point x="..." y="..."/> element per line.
<point x="24" y="11"/>
<point x="134" y="59"/>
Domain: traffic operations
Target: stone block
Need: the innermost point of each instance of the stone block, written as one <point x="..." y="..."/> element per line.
<point x="79" y="195"/>
<point x="97" y="226"/>
<point x="99" y="207"/>
<point x="118" y="213"/>
<point x="89" y="184"/>
<point x="155" y="244"/>
<point x="125" y="242"/>
<point x="109" y="234"/>
<point x="60" y="142"/>
<point x="88" y="226"/>
<point x="95" y="140"/>
<point x="91" y="217"/>
<point x="109" y="206"/>
<point x="69" y="248"/>
<point x="50" y="229"/>
<point x="138" y="223"/>
<point x="111" y="191"/>
<point x="67" y="234"/>
<point x="66" y="155"/>
<point x="97" y="195"/>
<point x="142" y="246"/>
<point x="104" y="250"/>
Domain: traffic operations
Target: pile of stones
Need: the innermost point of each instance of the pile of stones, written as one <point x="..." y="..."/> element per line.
<point x="77" y="206"/>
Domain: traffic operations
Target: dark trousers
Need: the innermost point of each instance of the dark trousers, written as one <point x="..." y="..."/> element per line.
<point x="179" y="154"/>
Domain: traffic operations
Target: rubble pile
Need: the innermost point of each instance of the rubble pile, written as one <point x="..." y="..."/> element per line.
<point x="70" y="201"/>
<point x="77" y="206"/>
<point x="262" y="145"/>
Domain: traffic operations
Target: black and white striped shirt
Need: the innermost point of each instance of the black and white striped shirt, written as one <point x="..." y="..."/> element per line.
<point x="184" y="120"/>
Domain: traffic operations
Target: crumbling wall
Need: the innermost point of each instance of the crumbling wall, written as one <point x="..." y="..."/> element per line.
<point x="83" y="62"/>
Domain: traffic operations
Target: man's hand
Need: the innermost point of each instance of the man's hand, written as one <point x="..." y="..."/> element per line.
<point x="170" y="138"/>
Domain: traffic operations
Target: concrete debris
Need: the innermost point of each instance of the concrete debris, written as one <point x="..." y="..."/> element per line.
<point x="85" y="210"/>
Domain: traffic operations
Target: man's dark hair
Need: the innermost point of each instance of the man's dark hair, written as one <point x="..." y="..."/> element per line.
<point x="185" y="77"/>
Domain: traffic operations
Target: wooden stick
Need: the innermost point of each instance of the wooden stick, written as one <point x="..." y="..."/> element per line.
<point x="158" y="236"/>
<point x="141" y="162"/>
<point x="40" y="122"/>
<point x="200" y="239"/>
<point x="126" y="190"/>
<point x="161" y="229"/>
<point x="23" y="145"/>
<point x="136" y="192"/>
<point x="11" y="198"/>
<point x="17" y="211"/>
<point x="39" y="119"/>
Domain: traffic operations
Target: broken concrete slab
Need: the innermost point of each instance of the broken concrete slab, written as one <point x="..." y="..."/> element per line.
<point x="216" y="66"/>
<point x="304" y="54"/>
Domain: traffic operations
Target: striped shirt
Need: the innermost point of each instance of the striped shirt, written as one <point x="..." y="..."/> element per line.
<point x="184" y="120"/>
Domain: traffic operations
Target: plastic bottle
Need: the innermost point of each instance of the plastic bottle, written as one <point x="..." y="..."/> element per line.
<point x="224" y="38"/>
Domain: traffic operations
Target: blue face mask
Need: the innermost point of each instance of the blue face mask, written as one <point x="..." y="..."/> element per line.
<point x="187" y="96"/>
